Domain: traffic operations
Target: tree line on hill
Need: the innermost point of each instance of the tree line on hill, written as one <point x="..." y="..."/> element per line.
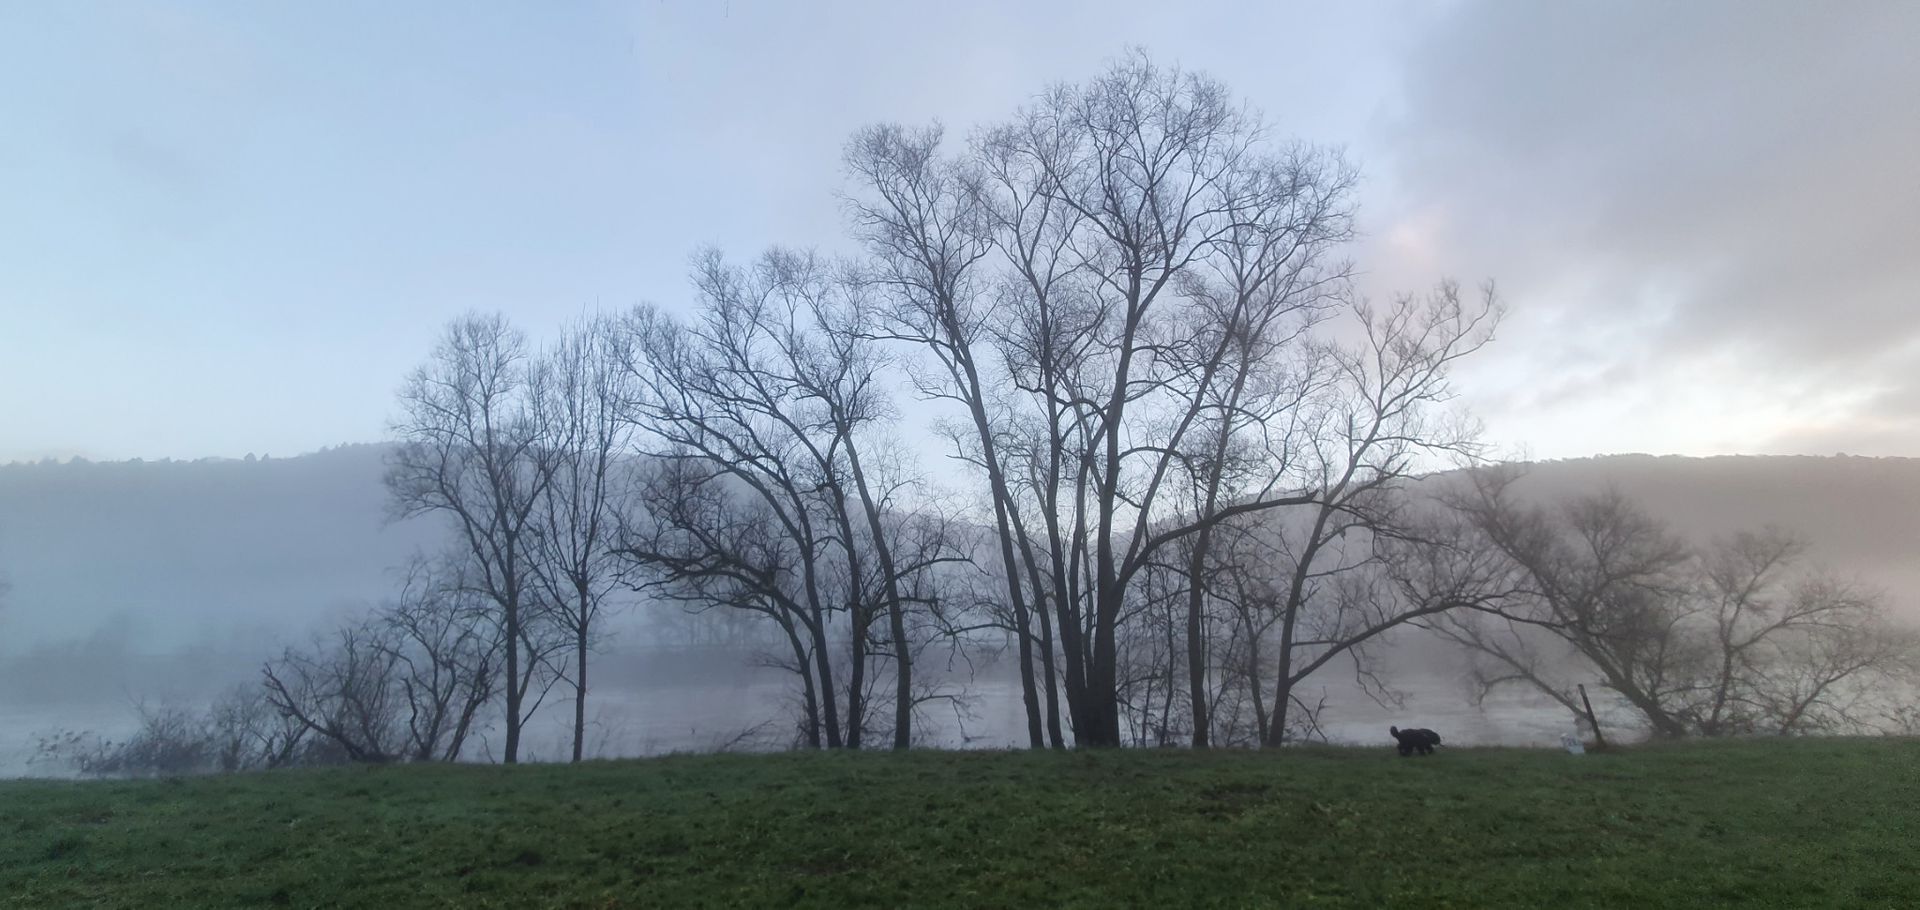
<point x="1188" y="475"/>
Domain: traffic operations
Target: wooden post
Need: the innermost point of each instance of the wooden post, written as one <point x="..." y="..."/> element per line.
<point x="1599" y="742"/>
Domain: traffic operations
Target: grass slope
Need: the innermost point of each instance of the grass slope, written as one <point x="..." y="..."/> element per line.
<point x="1778" y="823"/>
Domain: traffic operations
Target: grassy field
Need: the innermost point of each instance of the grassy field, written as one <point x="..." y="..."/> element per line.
<point x="1768" y="823"/>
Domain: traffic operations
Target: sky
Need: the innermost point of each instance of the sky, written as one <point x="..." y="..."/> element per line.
<point x="232" y="228"/>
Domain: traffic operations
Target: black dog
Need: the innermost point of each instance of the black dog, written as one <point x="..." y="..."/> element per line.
<point x="1411" y="741"/>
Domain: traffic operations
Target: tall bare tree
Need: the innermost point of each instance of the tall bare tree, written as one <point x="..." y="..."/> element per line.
<point x="473" y="447"/>
<point x="922" y="218"/>
<point x="1119" y="288"/>
<point x="576" y="517"/>
<point x="1374" y="425"/>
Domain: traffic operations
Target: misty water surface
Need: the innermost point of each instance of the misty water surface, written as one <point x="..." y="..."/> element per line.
<point x="753" y="709"/>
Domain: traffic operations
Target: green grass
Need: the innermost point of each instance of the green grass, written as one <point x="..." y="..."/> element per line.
<point x="1802" y="823"/>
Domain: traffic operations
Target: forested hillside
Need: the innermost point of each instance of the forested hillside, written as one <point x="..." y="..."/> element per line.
<point x="172" y="553"/>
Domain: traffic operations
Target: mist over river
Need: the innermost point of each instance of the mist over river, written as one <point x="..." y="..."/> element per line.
<point x="732" y="704"/>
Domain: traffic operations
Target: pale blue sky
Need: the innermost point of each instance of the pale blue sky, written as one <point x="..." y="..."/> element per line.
<point x="232" y="228"/>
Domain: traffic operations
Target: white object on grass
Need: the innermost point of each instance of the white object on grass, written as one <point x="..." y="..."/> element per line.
<point x="1572" y="743"/>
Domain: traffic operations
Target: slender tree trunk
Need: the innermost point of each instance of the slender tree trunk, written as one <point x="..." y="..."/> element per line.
<point x="1283" y="685"/>
<point x="903" y="680"/>
<point x="1004" y="523"/>
<point x="1029" y="696"/>
<point x="1197" y="565"/>
<point x="809" y="695"/>
<point x="1103" y="695"/>
<point x="1067" y="609"/>
<point x="458" y="738"/>
<point x="580" y="697"/>
<point x="1166" y="704"/>
<point x="1037" y="606"/>
<point x="1253" y="685"/>
<point x="896" y="609"/>
<point x="862" y="620"/>
<point x="1723" y="687"/>
<point x="1196" y="638"/>
<point x="1054" y="735"/>
<point x="1197" y="669"/>
<point x="1295" y="602"/>
<point x="816" y="627"/>
<point x="1103" y="675"/>
<point x="515" y="691"/>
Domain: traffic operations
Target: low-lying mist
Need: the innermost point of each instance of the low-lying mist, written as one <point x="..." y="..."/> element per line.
<point x="164" y="586"/>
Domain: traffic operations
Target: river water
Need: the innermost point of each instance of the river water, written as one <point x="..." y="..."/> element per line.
<point x="752" y="708"/>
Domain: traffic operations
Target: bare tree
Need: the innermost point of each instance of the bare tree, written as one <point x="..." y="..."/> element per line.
<point x="768" y="406"/>
<point x="1361" y="436"/>
<point x="446" y="652"/>
<point x="923" y="219"/>
<point x="1848" y="671"/>
<point x="473" y="447"/>
<point x="1728" y="639"/>
<point x="576" y="516"/>
<point x="837" y="369"/>
<point x="248" y="733"/>
<point x="343" y="690"/>
<point x="701" y="541"/>
<point x="1599" y="574"/>
<point x="1109" y="252"/>
<point x="406" y="683"/>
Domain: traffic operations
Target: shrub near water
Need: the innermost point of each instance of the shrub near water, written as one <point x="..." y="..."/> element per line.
<point x="1801" y="823"/>
<point x="239" y="732"/>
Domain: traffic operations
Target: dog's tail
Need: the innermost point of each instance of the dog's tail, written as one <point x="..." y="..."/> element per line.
<point x="1394" y="732"/>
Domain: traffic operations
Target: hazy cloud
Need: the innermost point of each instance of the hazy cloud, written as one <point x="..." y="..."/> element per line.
<point x="1723" y="193"/>
<point x="1703" y="214"/>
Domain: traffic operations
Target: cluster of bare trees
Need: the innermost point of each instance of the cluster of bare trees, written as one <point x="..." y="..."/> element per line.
<point x="522" y="453"/>
<point x="1735" y="637"/>
<point x="1133" y="298"/>
<point x="240" y="731"/>
<point x="773" y="485"/>
<point x="1187" y="449"/>
<point x="1187" y="437"/>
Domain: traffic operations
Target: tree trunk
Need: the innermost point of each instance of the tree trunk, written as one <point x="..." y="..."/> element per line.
<point x="1283" y="685"/>
<point x="1103" y="692"/>
<point x="896" y="610"/>
<point x="1196" y="641"/>
<point x="580" y="697"/>
<point x="861" y="621"/>
<point x="903" y="680"/>
<point x="809" y="695"/>
<point x="1253" y="685"/>
<point x="511" y="753"/>
<point x="816" y="628"/>
<point x="1054" y="736"/>
<point x="1003" y="520"/>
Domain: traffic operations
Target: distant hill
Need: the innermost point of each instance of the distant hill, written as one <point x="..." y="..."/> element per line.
<point x="206" y="552"/>
<point x="170" y="552"/>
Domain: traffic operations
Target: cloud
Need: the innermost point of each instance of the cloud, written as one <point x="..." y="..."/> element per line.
<point x="1660" y="186"/>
